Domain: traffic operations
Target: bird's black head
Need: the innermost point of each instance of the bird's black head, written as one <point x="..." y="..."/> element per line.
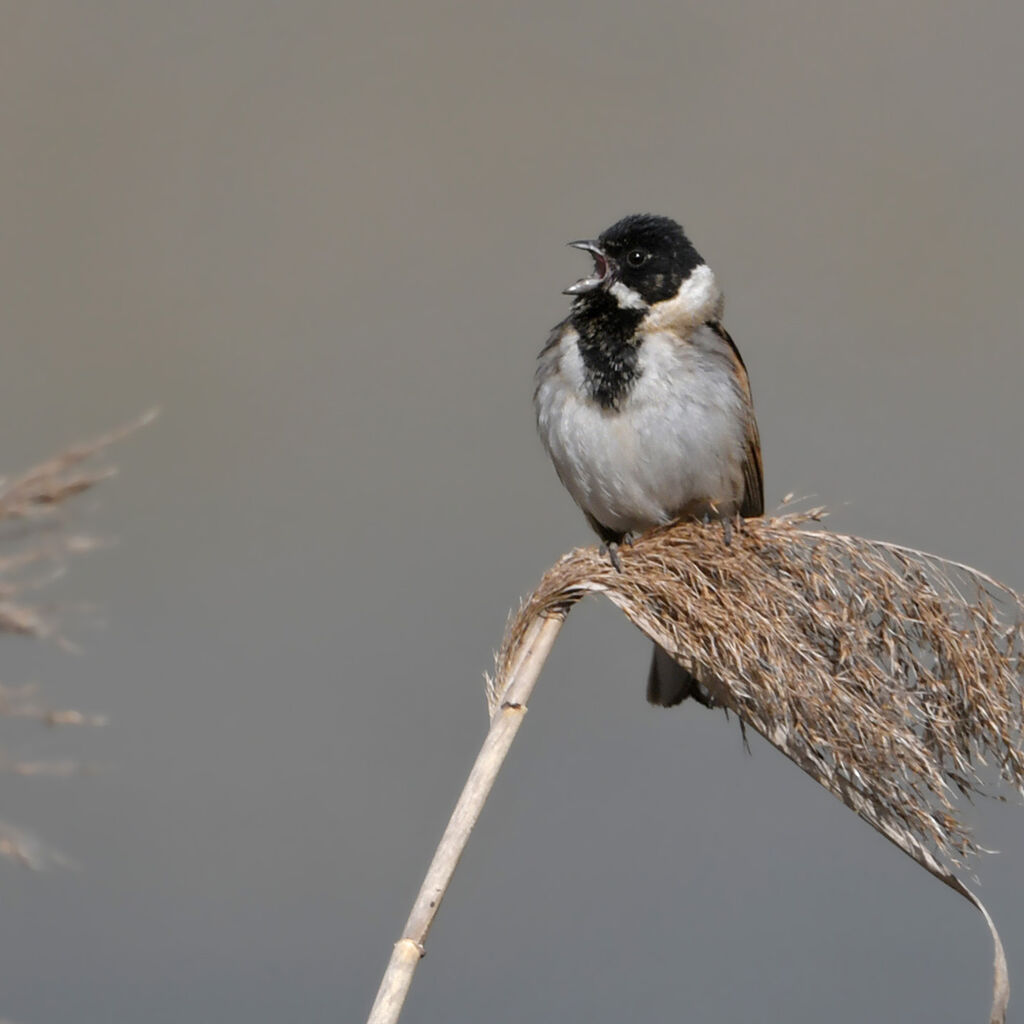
<point x="648" y="256"/>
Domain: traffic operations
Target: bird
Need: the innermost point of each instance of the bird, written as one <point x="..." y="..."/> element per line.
<point x="643" y="403"/>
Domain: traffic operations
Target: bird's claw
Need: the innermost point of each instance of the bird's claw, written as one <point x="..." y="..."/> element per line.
<point x="613" y="555"/>
<point x="726" y="522"/>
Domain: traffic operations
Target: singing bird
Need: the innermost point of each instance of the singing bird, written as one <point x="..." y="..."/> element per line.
<point x="643" y="401"/>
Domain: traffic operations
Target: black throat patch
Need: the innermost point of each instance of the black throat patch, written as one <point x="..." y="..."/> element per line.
<point x="607" y="346"/>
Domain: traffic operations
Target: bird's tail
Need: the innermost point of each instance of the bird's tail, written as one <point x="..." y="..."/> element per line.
<point x="668" y="683"/>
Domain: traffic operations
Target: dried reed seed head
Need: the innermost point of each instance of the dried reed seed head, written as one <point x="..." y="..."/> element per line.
<point x="36" y="544"/>
<point x="889" y="675"/>
<point x="34" y="540"/>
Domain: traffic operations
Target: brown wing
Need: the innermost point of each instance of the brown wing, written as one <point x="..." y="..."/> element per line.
<point x="753" y="472"/>
<point x="546" y="364"/>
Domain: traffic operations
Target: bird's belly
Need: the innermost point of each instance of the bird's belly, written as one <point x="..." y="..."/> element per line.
<point x="665" y="454"/>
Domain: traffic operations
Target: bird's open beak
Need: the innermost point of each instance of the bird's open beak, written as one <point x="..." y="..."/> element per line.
<point x="604" y="269"/>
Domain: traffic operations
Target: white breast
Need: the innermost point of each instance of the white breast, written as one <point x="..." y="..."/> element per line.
<point x="674" y="447"/>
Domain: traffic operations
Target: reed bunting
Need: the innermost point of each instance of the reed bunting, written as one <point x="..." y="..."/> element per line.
<point x="643" y="401"/>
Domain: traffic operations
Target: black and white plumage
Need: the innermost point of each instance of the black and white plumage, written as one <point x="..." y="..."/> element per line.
<point x="643" y="401"/>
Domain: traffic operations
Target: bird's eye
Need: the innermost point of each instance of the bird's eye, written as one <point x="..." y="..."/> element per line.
<point x="636" y="258"/>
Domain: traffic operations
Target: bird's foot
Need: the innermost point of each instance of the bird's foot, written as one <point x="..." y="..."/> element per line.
<point x="613" y="555"/>
<point x="727" y="528"/>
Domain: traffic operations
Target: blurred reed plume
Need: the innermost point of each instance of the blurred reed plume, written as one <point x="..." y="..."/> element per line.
<point x="36" y="542"/>
<point x="890" y="676"/>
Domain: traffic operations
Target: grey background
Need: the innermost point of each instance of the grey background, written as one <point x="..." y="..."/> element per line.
<point x="328" y="240"/>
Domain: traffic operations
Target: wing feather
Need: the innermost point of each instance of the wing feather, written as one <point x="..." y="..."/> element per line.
<point x="753" y="471"/>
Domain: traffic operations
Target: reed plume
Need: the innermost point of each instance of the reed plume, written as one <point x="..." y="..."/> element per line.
<point x="892" y="677"/>
<point x="36" y="543"/>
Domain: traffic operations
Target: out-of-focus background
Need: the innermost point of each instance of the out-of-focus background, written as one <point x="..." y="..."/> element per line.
<point x="328" y="240"/>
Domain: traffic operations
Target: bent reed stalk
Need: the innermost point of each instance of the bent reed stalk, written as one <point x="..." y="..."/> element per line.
<point x="526" y="660"/>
